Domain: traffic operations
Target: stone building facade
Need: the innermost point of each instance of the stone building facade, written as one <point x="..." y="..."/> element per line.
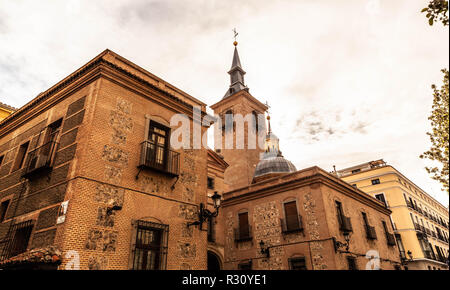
<point x="80" y="172"/>
<point x="312" y="244"/>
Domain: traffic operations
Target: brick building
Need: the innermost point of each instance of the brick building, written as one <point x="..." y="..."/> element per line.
<point x="87" y="168"/>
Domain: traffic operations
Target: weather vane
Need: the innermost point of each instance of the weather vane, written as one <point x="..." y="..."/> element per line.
<point x="235" y="35"/>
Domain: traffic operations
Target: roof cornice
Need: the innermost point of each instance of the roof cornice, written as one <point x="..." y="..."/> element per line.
<point x="9" y="122"/>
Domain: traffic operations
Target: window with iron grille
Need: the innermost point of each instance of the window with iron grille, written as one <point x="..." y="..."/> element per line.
<point x="352" y="263"/>
<point x="150" y="246"/>
<point x="210" y="182"/>
<point x="17" y="239"/>
<point x="297" y="263"/>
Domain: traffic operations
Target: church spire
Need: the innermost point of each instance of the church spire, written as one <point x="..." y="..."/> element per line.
<point x="236" y="73"/>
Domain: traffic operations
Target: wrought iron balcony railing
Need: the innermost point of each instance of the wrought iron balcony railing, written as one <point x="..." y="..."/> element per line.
<point x="40" y="159"/>
<point x="159" y="158"/>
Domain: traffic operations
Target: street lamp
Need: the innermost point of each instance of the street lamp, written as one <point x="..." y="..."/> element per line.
<point x="205" y="214"/>
<point x="346" y="245"/>
<point x="264" y="250"/>
<point x="410" y="255"/>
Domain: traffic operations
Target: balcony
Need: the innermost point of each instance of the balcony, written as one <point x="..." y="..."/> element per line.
<point x="159" y="158"/>
<point x="390" y="239"/>
<point x="346" y="225"/>
<point x="417" y="226"/>
<point x="287" y="228"/>
<point x="409" y="204"/>
<point x="371" y="233"/>
<point x="40" y="159"/>
<point x="241" y="236"/>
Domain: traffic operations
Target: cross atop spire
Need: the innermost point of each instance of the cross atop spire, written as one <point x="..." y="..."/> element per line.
<point x="235" y="35"/>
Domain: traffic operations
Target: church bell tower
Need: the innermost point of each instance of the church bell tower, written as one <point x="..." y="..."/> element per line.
<point x="238" y="101"/>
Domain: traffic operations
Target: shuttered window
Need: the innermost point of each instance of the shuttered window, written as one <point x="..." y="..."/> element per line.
<point x="243" y="225"/>
<point x="290" y="210"/>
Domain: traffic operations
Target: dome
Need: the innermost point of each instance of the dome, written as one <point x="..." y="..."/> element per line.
<point x="274" y="165"/>
<point x="272" y="161"/>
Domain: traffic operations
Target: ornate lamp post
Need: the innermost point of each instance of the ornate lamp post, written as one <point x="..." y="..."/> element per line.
<point x="205" y="214"/>
<point x="346" y="245"/>
<point x="264" y="249"/>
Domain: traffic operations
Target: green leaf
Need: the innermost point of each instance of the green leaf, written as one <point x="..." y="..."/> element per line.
<point x="430" y="21"/>
<point x="424" y="9"/>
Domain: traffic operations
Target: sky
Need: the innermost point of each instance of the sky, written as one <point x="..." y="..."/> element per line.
<point x="347" y="81"/>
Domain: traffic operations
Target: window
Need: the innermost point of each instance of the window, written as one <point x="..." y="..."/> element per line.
<point x="1" y="159"/>
<point x="53" y="131"/>
<point x="150" y="246"/>
<point x="292" y="221"/>
<point x="210" y="182"/>
<point x="351" y="263"/>
<point x="17" y="240"/>
<point x="158" y="140"/>
<point x="375" y="181"/>
<point x="340" y="214"/>
<point x="256" y="125"/>
<point x="354" y="185"/>
<point x="356" y="171"/>
<point x="3" y="208"/>
<point x="344" y="222"/>
<point x="212" y="229"/>
<point x="243" y="232"/>
<point x="245" y="265"/>
<point x="156" y="153"/>
<point x="298" y="263"/>
<point x="228" y="121"/>
<point x="389" y="237"/>
<point x="370" y="231"/>
<point x="21" y="156"/>
<point x="381" y="198"/>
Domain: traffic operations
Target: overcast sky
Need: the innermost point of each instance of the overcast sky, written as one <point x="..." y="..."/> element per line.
<point x="347" y="81"/>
